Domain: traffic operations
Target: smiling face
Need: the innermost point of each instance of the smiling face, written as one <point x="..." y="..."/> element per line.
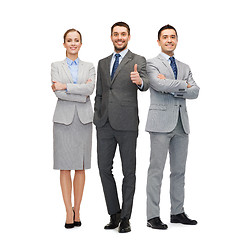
<point x="120" y="38"/>
<point x="72" y="44"/>
<point x="168" y="41"/>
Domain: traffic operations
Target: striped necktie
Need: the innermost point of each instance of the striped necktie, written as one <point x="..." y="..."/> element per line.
<point x="116" y="64"/>
<point x="173" y="66"/>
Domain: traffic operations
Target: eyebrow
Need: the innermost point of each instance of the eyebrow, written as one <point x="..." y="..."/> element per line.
<point x="74" y="39"/>
<point x="168" y="35"/>
<point x="119" y="32"/>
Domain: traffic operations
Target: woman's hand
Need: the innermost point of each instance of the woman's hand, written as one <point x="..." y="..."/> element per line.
<point x="89" y="80"/>
<point x="56" y="86"/>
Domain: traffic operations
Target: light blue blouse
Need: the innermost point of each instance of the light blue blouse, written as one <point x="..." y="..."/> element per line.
<point x="73" y="67"/>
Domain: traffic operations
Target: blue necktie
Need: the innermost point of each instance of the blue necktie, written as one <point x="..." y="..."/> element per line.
<point x="173" y="66"/>
<point x="116" y="64"/>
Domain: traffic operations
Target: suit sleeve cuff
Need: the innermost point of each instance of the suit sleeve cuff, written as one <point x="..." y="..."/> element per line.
<point x="141" y="87"/>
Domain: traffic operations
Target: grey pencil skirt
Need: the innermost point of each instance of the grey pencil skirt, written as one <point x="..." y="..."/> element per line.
<point x="72" y="145"/>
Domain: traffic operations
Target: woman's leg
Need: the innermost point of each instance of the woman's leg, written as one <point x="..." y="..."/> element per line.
<point x="66" y="186"/>
<point x="79" y="182"/>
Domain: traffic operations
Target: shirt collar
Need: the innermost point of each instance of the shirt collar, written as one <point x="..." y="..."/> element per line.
<point x="70" y="62"/>
<point x="165" y="56"/>
<point x="122" y="53"/>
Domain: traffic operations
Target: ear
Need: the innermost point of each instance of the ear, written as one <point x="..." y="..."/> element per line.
<point x="129" y="38"/>
<point x="158" y="43"/>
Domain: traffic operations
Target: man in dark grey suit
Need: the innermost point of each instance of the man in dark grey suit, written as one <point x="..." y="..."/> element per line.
<point x="171" y="83"/>
<point x="119" y="76"/>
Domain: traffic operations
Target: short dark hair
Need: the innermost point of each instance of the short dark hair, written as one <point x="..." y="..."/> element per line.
<point x="121" y="24"/>
<point x="166" y="27"/>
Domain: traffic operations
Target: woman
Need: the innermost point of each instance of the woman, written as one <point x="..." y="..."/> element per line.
<point x="72" y="82"/>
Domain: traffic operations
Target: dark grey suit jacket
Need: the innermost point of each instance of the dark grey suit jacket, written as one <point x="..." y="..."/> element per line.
<point x="116" y="99"/>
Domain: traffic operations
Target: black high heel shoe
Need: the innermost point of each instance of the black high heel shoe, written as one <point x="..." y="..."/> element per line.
<point x="76" y="223"/>
<point x="70" y="225"/>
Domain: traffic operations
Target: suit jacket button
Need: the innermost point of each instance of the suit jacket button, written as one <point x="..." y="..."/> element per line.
<point x="180" y="105"/>
<point x="110" y="88"/>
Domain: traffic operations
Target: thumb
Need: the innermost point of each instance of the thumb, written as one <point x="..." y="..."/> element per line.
<point x="135" y="68"/>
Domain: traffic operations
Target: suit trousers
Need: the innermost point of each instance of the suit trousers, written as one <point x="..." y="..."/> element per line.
<point x="176" y="143"/>
<point x="107" y="141"/>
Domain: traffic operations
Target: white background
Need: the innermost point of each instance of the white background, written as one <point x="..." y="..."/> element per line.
<point x="210" y="41"/>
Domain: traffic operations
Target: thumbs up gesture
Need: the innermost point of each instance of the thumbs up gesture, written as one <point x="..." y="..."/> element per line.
<point x="135" y="77"/>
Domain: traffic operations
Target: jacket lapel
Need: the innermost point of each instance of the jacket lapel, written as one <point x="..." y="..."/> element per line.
<point x="67" y="71"/>
<point x="166" y="63"/>
<point x="128" y="57"/>
<point x="107" y="63"/>
<point x="179" y="70"/>
<point x="80" y="71"/>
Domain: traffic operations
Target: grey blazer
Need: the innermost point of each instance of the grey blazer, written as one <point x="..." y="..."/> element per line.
<point x="116" y="99"/>
<point x="76" y="96"/>
<point x="168" y="96"/>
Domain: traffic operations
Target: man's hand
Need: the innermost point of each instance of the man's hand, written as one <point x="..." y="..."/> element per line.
<point x="161" y="76"/>
<point x="56" y="86"/>
<point x="135" y="77"/>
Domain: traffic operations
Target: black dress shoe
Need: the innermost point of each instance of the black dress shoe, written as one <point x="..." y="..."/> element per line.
<point x="124" y="226"/>
<point x="114" y="221"/>
<point x="156" y="223"/>
<point x="182" y="218"/>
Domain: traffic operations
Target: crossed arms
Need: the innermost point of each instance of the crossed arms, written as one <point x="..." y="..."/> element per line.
<point x="72" y="92"/>
<point x="185" y="88"/>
